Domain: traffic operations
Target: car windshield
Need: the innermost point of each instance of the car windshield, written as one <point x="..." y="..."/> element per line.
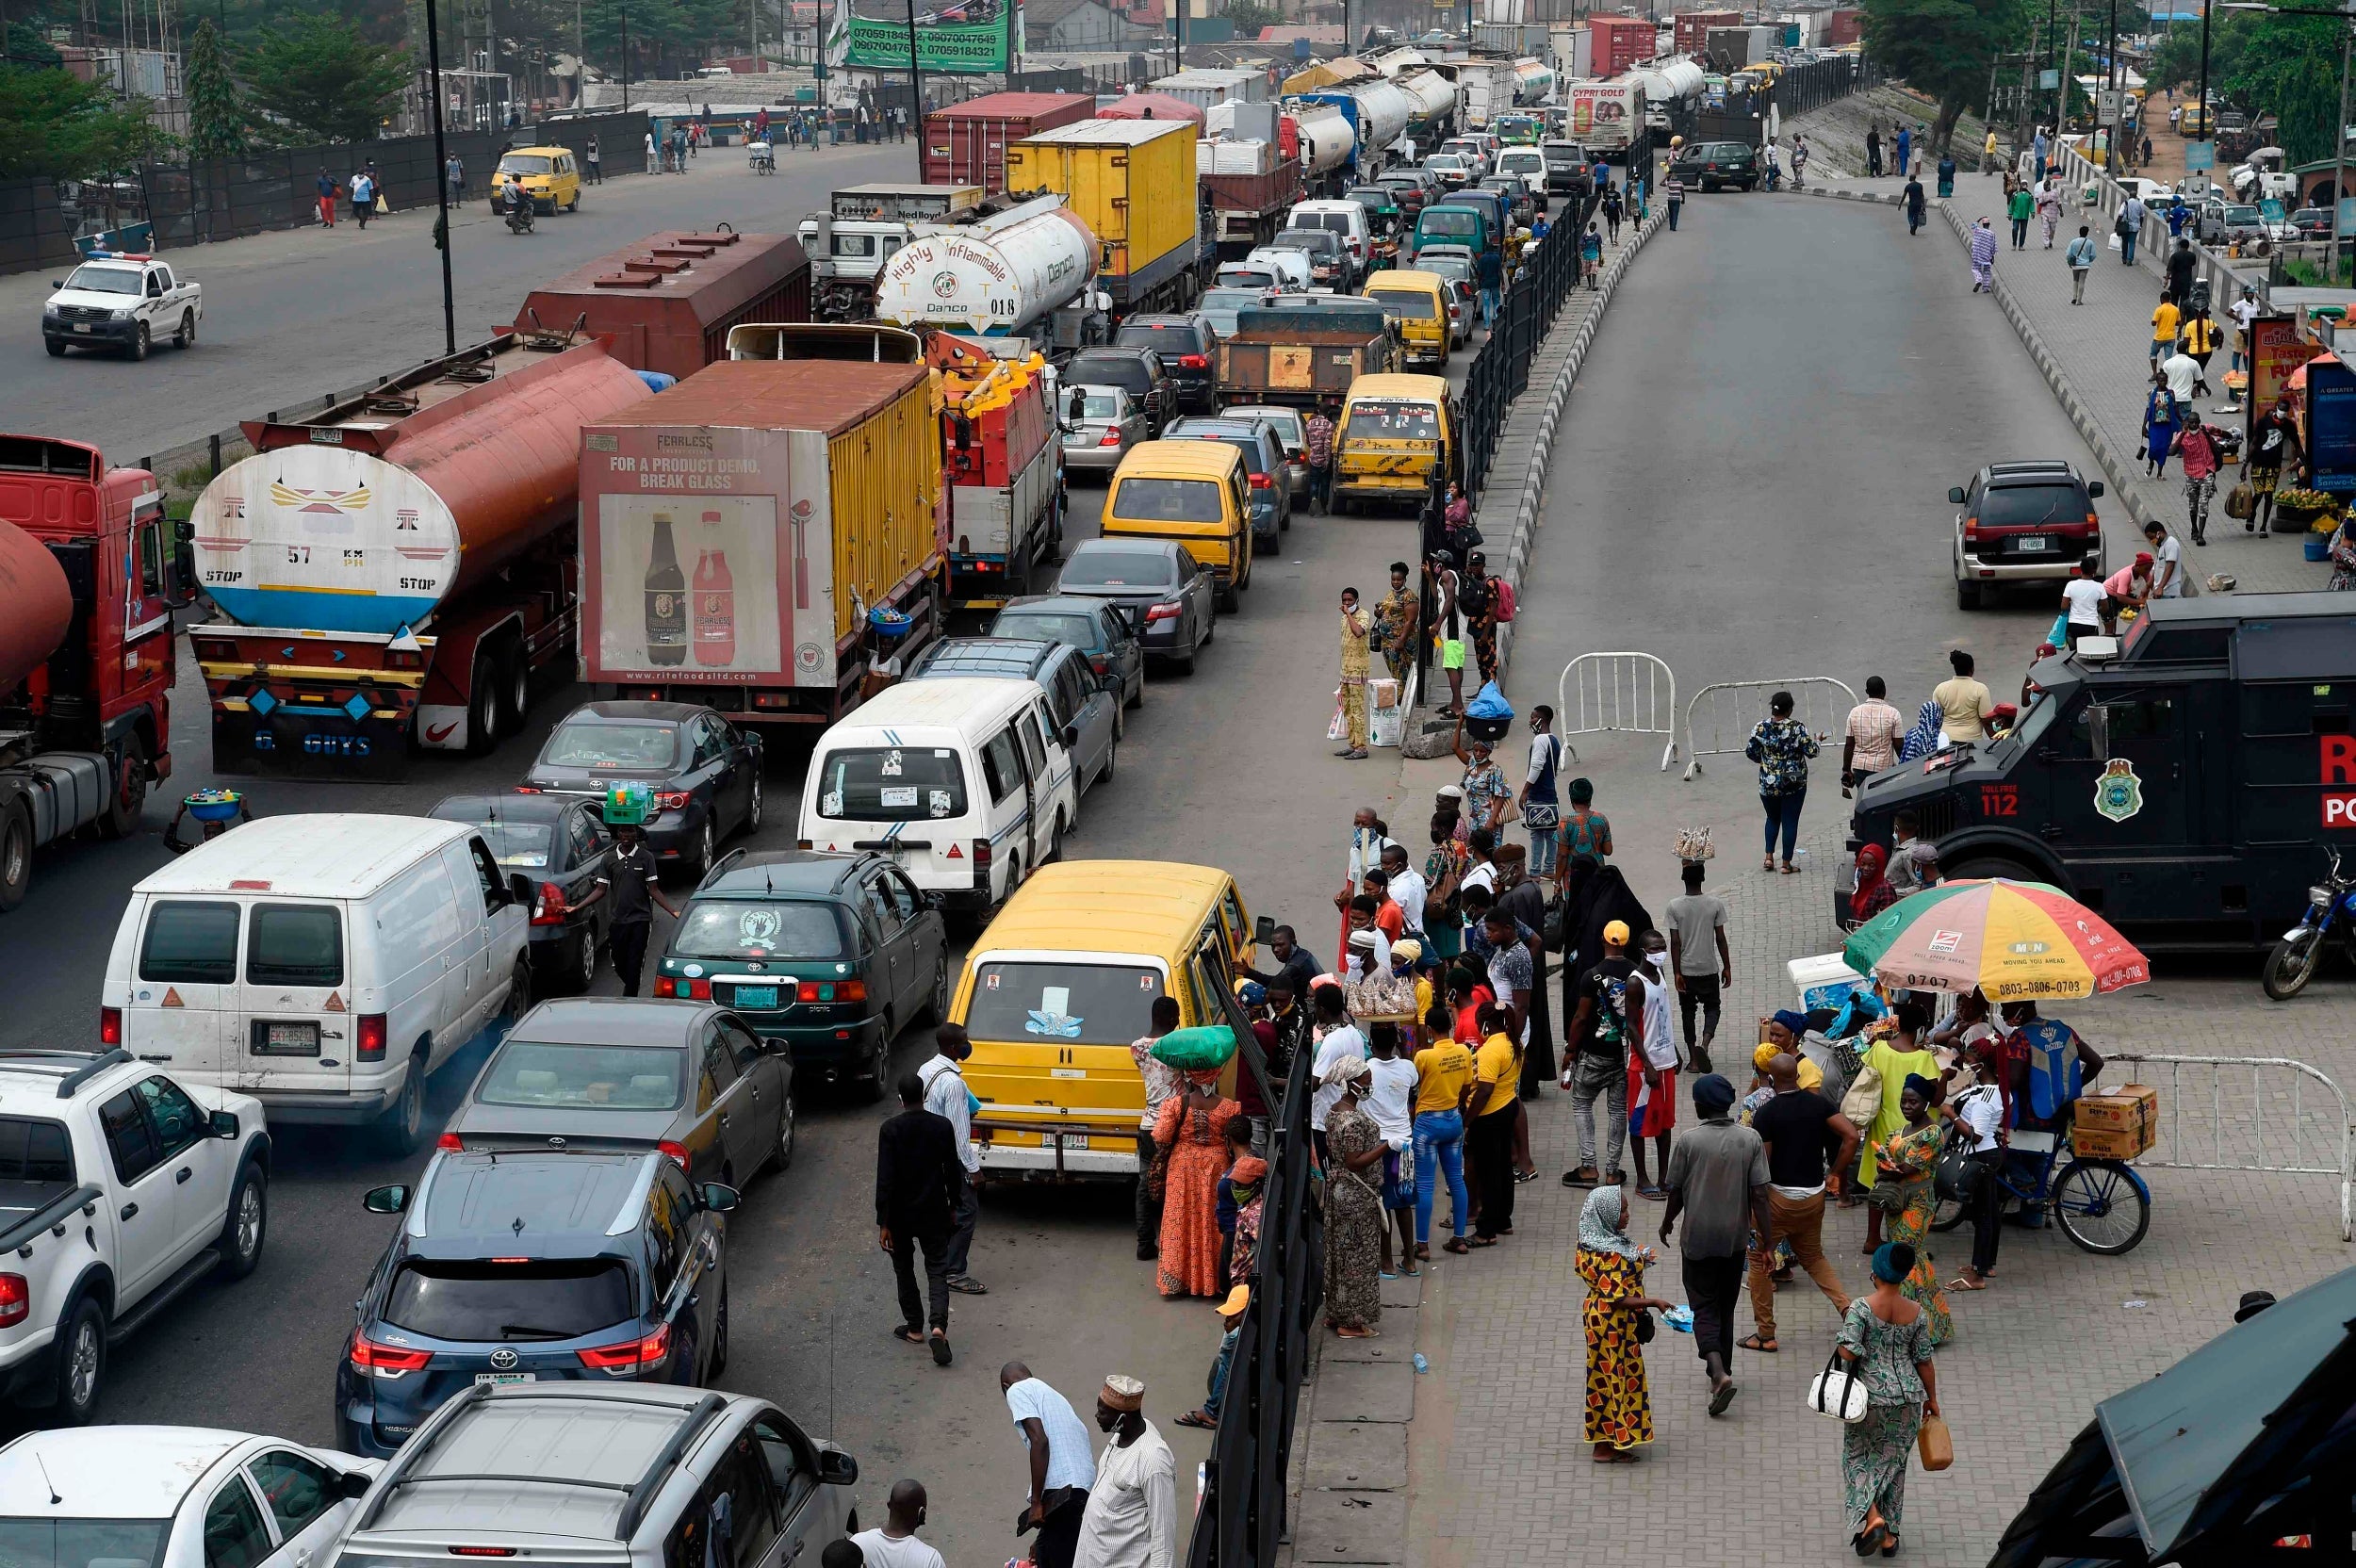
<point x="1402" y="304"/>
<point x="891" y="784"/>
<point x="525" y="163"/>
<point x="1068" y="627"/>
<point x="470" y="1302"/>
<point x="519" y="845"/>
<point x="2241" y="215"/>
<point x="758" y="928"/>
<point x="544" y="1076"/>
<point x="2024" y="505"/>
<point x="1117" y="568"/>
<point x="1393" y="422"/>
<point x="1064" y="1003"/>
<point x="597" y="743"/>
<point x="1167" y="500"/>
<point x="40" y="1542"/>
<point x="105" y="280"/>
<point x="1443" y="221"/>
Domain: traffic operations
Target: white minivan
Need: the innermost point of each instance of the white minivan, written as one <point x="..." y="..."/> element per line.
<point x="1344" y="217"/>
<point x="963" y="781"/>
<point x="323" y="964"/>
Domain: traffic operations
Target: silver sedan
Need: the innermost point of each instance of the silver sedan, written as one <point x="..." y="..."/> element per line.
<point x="1108" y="423"/>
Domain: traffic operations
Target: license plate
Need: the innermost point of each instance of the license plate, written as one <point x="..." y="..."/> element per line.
<point x="287" y="1039"/>
<point x="2032" y="543"/>
<point x="756" y="996"/>
<point x="81" y="326"/>
<point x="1067" y="1140"/>
<point x="498" y="1378"/>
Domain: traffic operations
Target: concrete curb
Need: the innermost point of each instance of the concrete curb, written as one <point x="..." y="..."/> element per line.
<point x="1868" y="196"/>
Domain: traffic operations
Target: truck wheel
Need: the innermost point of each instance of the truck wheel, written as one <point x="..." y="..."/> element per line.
<point x="485" y="708"/>
<point x="515" y="686"/>
<point x="141" y="344"/>
<point x="16" y="855"/>
<point x="185" y="337"/>
<point x="56" y="349"/>
<point x="246" y="1225"/>
<point x="122" y="817"/>
<point x="81" y="1362"/>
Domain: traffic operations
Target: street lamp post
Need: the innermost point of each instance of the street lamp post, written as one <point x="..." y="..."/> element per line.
<point x="2110" y="78"/>
<point x="916" y="74"/>
<point x="2339" y="128"/>
<point x="441" y="176"/>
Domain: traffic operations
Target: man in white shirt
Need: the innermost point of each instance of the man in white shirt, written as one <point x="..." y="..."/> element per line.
<point x="1337" y="1038"/>
<point x="1132" y="1517"/>
<point x="2246" y="310"/>
<point x="1161" y="1082"/>
<point x="2084" y="598"/>
<point x="1059" y="1465"/>
<point x="945" y="1096"/>
<point x="2168" y="561"/>
<point x="896" y="1545"/>
<point x="2184" y="374"/>
<point x="1408" y="890"/>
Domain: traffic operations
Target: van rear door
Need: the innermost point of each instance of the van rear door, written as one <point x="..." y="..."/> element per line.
<point x="182" y="1002"/>
<point x="916" y="801"/>
<point x="1051" y="1035"/>
<point x="294" y="1027"/>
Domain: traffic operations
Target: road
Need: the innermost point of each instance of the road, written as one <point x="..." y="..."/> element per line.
<point x="294" y="315"/>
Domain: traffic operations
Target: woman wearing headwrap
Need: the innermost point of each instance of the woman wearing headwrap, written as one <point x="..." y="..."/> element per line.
<point x="1189" y="1143"/>
<point x="1246" y="1182"/>
<point x="1619" y="1403"/>
<point x="1902" y="1053"/>
<point x="1874" y="892"/>
<point x="1887" y="1338"/>
<point x="1924" y="738"/>
<point x="1353" y="1207"/>
<point x="1904" y="1158"/>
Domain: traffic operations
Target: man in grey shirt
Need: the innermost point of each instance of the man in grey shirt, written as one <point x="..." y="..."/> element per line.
<point x="1700" y="960"/>
<point x="1718" y="1181"/>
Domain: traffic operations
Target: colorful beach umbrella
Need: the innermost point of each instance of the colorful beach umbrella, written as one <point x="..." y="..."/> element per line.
<point x="2016" y="941"/>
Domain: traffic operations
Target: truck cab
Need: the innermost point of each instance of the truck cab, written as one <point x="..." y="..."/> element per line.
<point x="2182" y="782"/>
<point x="863" y="226"/>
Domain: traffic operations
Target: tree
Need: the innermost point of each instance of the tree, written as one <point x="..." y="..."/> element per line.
<point x="1942" y="48"/>
<point x="217" y="115"/>
<point x="2291" y="66"/>
<point x="322" y="76"/>
<point x="53" y="123"/>
<point x="1250" y="17"/>
<point x="26" y="46"/>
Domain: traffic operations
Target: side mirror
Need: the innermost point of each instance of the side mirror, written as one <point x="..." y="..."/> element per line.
<point x="352" y="1484"/>
<point x="1070" y="736"/>
<point x="1954" y="494"/>
<point x="226" y="1125"/>
<point x="719" y="1197"/>
<point x="837" y="1468"/>
<point x="2094" y="489"/>
<point x="519" y="887"/>
<point x="183" y="585"/>
<point x="389" y="1200"/>
<point x="1264" y="930"/>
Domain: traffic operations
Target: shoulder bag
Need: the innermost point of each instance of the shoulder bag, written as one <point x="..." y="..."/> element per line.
<point x="1862" y="1101"/>
<point x="1838" y="1391"/>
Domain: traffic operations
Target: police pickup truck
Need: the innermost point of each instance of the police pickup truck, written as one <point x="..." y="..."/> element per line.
<point x="117" y="300"/>
<point x="2182" y="781"/>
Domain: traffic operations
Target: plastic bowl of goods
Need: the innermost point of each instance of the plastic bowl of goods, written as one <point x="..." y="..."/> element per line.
<point x="214" y="804"/>
<point x="1491" y="730"/>
<point x="887" y="623"/>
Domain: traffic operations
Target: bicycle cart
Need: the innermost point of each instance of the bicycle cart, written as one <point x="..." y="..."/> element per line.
<point x="2102" y="1206"/>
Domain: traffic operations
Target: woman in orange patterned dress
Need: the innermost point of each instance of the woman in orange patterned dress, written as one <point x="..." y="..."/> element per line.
<point x="1619" y="1403"/>
<point x="1190" y="1152"/>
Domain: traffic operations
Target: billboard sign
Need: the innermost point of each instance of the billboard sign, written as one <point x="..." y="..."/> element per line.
<point x="955" y="38"/>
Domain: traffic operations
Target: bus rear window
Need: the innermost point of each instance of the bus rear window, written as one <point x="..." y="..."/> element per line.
<point x="192" y="943"/>
<point x="1168" y="500"/>
<point x="891" y="784"/>
<point x="1393" y="422"/>
<point x="1067" y="1002"/>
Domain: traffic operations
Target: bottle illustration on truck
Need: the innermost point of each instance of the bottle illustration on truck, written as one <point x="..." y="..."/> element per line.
<point x="716" y="604"/>
<point x="666" y="599"/>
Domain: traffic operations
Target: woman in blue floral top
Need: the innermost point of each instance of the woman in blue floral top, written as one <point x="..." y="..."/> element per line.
<point x="1781" y="746"/>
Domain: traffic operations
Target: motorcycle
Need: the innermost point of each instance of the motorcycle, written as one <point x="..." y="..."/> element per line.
<point x="518" y="215"/>
<point x="2331" y="909"/>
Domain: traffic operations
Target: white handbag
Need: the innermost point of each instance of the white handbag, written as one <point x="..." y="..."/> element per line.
<point x="1838" y="1391"/>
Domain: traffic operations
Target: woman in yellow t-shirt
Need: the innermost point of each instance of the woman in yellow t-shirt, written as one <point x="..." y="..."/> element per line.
<point x="1443" y="1077"/>
<point x="1898" y="1056"/>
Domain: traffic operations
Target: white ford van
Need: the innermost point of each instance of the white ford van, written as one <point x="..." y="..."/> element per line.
<point x="963" y="781"/>
<point x="323" y="964"/>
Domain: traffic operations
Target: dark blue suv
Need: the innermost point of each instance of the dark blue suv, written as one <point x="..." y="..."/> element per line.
<point x="535" y="1266"/>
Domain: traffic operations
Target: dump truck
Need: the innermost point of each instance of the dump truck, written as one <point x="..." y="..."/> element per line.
<point x="1305" y="352"/>
<point x="666" y="303"/>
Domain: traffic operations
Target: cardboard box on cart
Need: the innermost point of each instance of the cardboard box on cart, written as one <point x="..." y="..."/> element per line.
<point x="2118" y="1124"/>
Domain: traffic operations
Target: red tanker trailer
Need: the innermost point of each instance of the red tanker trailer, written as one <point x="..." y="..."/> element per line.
<point x="397" y="567"/>
<point x="89" y="574"/>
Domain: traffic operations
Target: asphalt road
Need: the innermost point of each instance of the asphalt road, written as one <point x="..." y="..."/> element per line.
<point x="293" y="314"/>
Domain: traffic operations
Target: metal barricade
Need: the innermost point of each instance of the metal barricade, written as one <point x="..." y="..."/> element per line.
<point x="2250" y="1113"/>
<point x="1632" y="693"/>
<point x="1722" y="715"/>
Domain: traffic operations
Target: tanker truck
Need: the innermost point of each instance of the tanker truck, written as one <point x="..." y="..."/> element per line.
<point x="394" y="571"/>
<point x="89" y="574"/>
<point x="999" y="276"/>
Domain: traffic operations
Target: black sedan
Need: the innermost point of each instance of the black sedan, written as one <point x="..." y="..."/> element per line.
<point x="560" y="843"/>
<point x="705" y="772"/>
<point x="1170" y="599"/>
<point x="617" y="1072"/>
<point x="1096" y="628"/>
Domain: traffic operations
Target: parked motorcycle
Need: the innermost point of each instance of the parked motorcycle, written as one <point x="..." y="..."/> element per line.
<point x="2330" y="911"/>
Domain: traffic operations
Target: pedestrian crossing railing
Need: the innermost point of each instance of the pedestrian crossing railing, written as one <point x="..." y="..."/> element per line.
<point x="1632" y="693"/>
<point x="1719" y="720"/>
<point x="2273" y="1115"/>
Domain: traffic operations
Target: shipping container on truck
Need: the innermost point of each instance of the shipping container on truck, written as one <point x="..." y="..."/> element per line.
<point x="89" y="574"/>
<point x="1133" y="183"/>
<point x="666" y="303"/>
<point x="1620" y="42"/>
<point x="1206" y="88"/>
<point x="1003" y="470"/>
<point x="1572" y="48"/>
<point x="1305" y="353"/>
<point x="966" y="143"/>
<point x="1692" y="29"/>
<point x="738" y="532"/>
<point x="395" y="571"/>
<point x="1249" y="209"/>
<point x="1486" y="87"/>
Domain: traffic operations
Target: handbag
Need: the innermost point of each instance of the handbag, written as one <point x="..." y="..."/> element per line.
<point x="1861" y="1101"/>
<point x="1952" y="1174"/>
<point x="1935" y="1443"/>
<point x="1550" y="927"/>
<point x="1836" y="1391"/>
<point x="2241" y="501"/>
<point x="1645" y="1327"/>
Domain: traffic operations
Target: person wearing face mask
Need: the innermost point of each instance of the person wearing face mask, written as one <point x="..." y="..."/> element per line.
<point x="1652" y="1070"/>
<point x="1132" y="1516"/>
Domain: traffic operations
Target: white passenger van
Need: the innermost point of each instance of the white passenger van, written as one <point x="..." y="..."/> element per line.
<point x="964" y="782"/>
<point x="324" y="964"/>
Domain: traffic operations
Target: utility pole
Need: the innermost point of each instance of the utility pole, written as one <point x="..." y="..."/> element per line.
<point x="624" y="8"/>
<point x="2339" y="155"/>
<point x="2111" y="159"/>
<point x="581" y="62"/>
<point x="916" y="75"/>
<point x="2208" y="125"/>
<point x="441" y="177"/>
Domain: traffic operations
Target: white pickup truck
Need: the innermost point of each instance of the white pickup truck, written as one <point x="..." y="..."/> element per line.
<point x="120" y="301"/>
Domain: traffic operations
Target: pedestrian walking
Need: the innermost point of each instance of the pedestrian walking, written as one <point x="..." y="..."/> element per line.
<point x="2041" y="146"/>
<point x="1131" y="1519"/>
<point x="2131" y="216"/>
<point x="1800" y="154"/>
<point x="1317" y="433"/>
<point x="1449" y="628"/>
<point x="654" y="163"/>
<point x="2181" y="268"/>
<point x="1354" y="1151"/>
<point x="1700" y="960"/>
<point x="629" y="884"/>
<point x="2246" y="310"/>
<point x="1479" y="593"/>
<point x="1398" y="625"/>
<point x="1905" y="149"/>
<point x="1590" y="255"/>
<point x="1606" y="1024"/>
<point x="1675" y="190"/>
<point x="596" y="163"/>
<point x="1988" y="154"/>
<point x="2183" y="374"/>
<point x="454" y="177"/>
<point x="364" y="196"/>
<point x="2159" y="427"/>
<point x="2079" y="258"/>
<point x="1885" y="1338"/>
<point x="1357" y="630"/>
<point x="2197" y="337"/>
<point x="1612" y="207"/>
<point x="2200" y="464"/>
<point x="2146" y="150"/>
<point x="1915" y="203"/>
<point x="328" y="191"/>
<point x="1781" y="746"/>
<point x="1061" y="1469"/>
<point x="1903" y="1164"/>
<point x="1491" y="271"/>
<point x="1983" y="256"/>
<point x="918" y="1176"/>
<point x="1874" y="151"/>
<point x="946" y="1096"/>
<point x="1443" y="1080"/>
<point x="1717" y="1182"/>
<point x="892" y="1543"/>
<point x="1540" y="801"/>
<point x="2274" y="444"/>
<point x="1652" y="1068"/>
<point x="1161" y="1081"/>
<point x="2020" y="209"/>
<point x="1771" y="164"/>
<point x="2048" y="203"/>
<point x="1619" y="1402"/>
<point x="1807" y="1138"/>
<point x="1189" y="1156"/>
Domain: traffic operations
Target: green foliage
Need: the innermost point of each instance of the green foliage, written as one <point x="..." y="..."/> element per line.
<point x="216" y="115"/>
<point x="322" y="77"/>
<point x="53" y="123"/>
<point x="1943" y="47"/>
<point x="1250" y="16"/>
<point x="666" y="37"/>
<point x="2289" y="66"/>
<point x="26" y="46"/>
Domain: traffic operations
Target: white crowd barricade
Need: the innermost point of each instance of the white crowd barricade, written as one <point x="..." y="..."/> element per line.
<point x="1623" y="692"/>
<point x="1719" y="720"/>
<point x="2271" y="1114"/>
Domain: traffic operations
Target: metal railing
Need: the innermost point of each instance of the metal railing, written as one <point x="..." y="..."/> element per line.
<point x="1500" y="371"/>
<point x="2260" y="1123"/>
<point x="1744" y="702"/>
<point x="1620" y="693"/>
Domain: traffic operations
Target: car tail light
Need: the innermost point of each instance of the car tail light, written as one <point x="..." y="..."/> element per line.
<point x="675" y="1152"/>
<point x="981" y="863"/>
<point x="1163" y="613"/>
<point x="831" y="990"/>
<point x="1261" y="482"/>
<point x="1111" y="436"/>
<point x="371" y="1037"/>
<point x="384" y="1361"/>
<point x="682" y="990"/>
<point x="549" y="909"/>
<point x="16" y="1300"/>
<point x="650" y="1351"/>
<point x="110" y="1027"/>
<point x="1970" y="530"/>
<point x="1098" y="662"/>
<point x="2092" y="521"/>
<point x="673" y="800"/>
<point x="664" y="986"/>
